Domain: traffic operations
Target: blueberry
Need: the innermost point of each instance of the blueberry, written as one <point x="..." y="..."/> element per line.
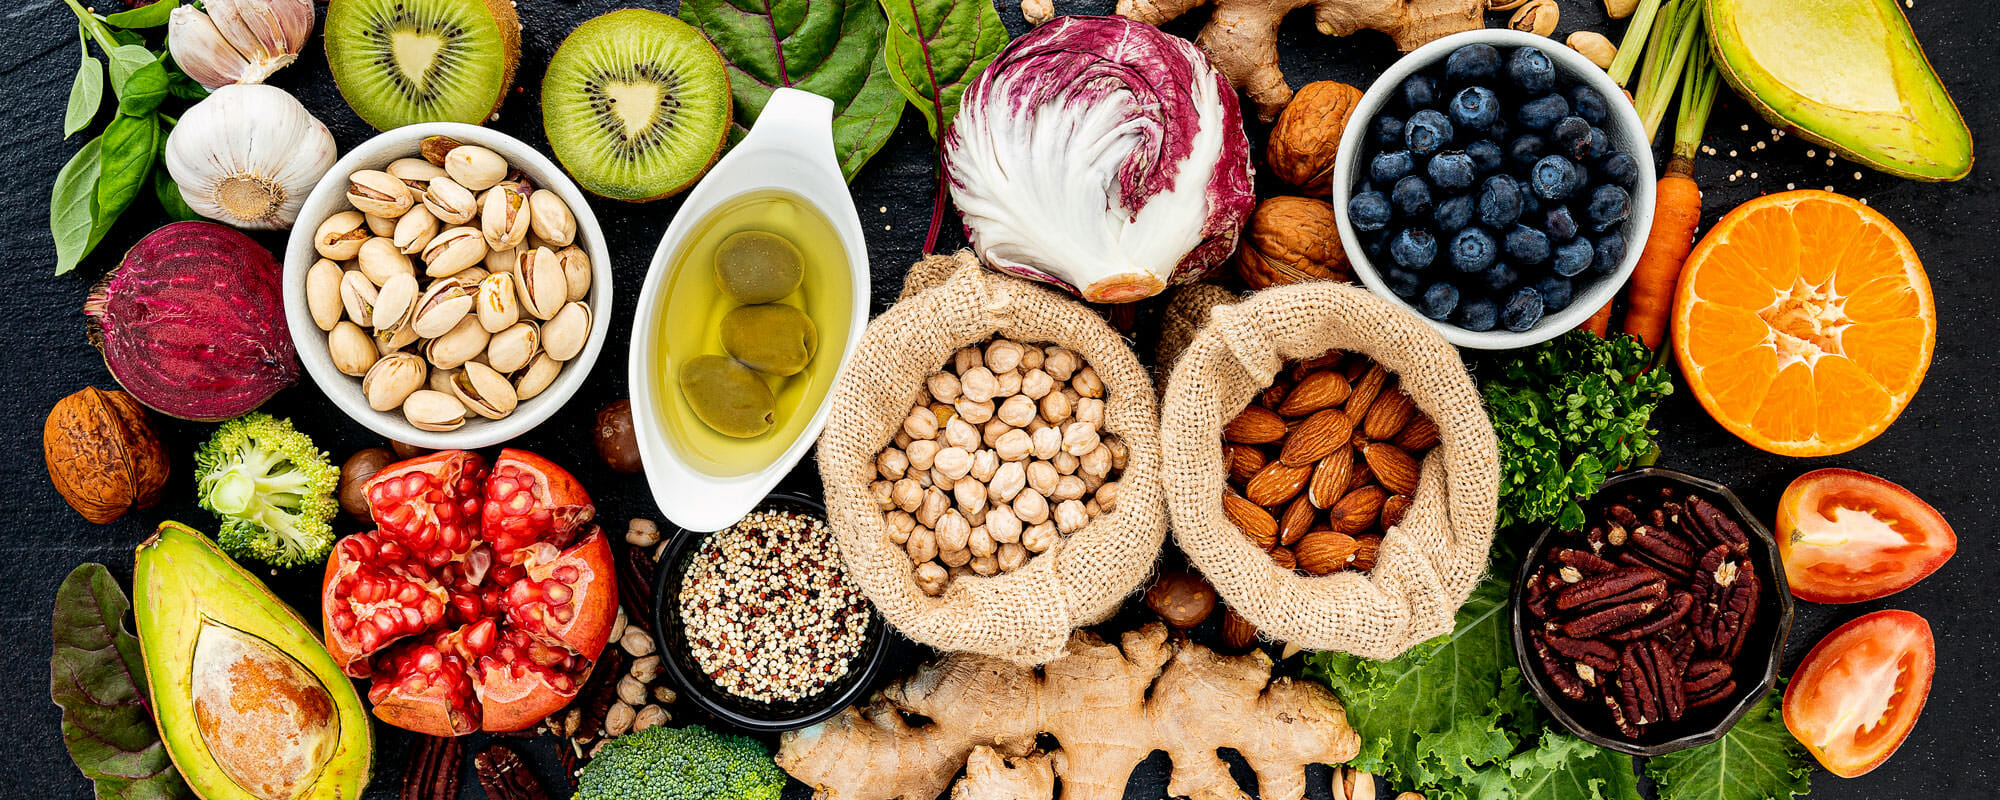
<point x="1413" y="248"/>
<point x="1570" y="133"/>
<point x="1500" y="202"/>
<point x="1427" y="132"/>
<point x="1420" y="92"/>
<point x="1372" y="243"/>
<point x="1498" y="277"/>
<point x="1610" y="252"/>
<point x="1589" y="104"/>
<point x="1369" y="211"/>
<point x="1553" y="178"/>
<point x="1573" y="256"/>
<point x="1531" y="70"/>
<point x="1619" y="168"/>
<point x="1473" y="62"/>
<point x="1599" y="145"/>
<point x="1475" y="107"/>
<point x="1486" y="156"/>
<point x="1477" y="314"/>
<point x="1559" y="224"/>
<point x="1523" y="309"/>
<point x="1530" y="204"/>
<point x="1497" y="130"/>
<point x="1526" y="245"/>
<point x="1451" y="171"/>
<point x="1390" y="166"/>
<point x="1404" y="283"/>
<point x="1609" y="205"/>
<point x="1542" y="112"/>
<point x="1526" y="150"/>
<point x="1388" y="131"/>
<point x="1454" y="213"/>
<point x="1473" y="250"/>
<point x="1438" y="301"/>
<point x="1556" y="293"/>
<point x="1411" y="197"/>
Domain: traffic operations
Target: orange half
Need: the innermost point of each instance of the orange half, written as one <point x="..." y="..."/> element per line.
<point x="1804" y="323"/>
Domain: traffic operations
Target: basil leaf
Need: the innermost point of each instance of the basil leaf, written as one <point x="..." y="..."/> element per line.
<point x="936" y="48"/>
<point x="148" y="16"/>
<point x="830" y="49"/>
<point x="86" y="94"/>
<point x="169" y="193"/>
<point x="126" y="59"/>
<point x="96" y="677"/>
<point x="72" y="206"/>
<point x="130" y="147"/>
<point x="183" y="87"/>
<point x="144" y="89"/>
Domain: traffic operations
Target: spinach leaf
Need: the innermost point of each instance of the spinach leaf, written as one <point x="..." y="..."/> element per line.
<point x="144" y="89"/>
<point x="830" y="49"/>
<point x="72" y="206"/>
<point x="147" y="16"/>
<point x="95" y="676"/>
<point x="1756" y="760"/>
<point x="86" y="94"/>
<point x="130" y="146"/>
<point x="936" y="48"/>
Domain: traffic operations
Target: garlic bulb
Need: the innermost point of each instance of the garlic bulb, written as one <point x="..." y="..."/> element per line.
<point x="248" y="155"/>
<point x="238" y="41"/>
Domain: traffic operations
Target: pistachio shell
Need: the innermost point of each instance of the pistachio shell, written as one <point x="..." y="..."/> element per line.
<point x="415" y="230"/>
<point x="453" y="204"/>
<point x="453" y="250"/>
<point x="340" y="236"/>
<point x="414" y="172"/>
<point x="394" y="305"/>
<point x="352" y="351"/>
<point x="323" y="293"/>
<point x="357" y="297"/>
<point x="458" y="345"/>
<point x="498" y="304"/>
<point x="536" y="377"/>
<point x="380" y="226"/>
<point x="484" y="391"/>
<point x="564" y="335"/>
<point x="498" y="261"/>
<point x="475" y="167"/>
<point x="542" y="287"/>
<point x="373" y="191"/>
<point x="553" y="221"/>
<point x="431" y="410"/>
<point x="440" y="380"/>
<point x="504" y="217"/>
<point x="392" y="379"/>
<point x="471" y="276"/>
<point x="576" y="271"/>
<point x="443" y="306"/>
<point x="380" y="260"/>
<point x="395" y="339"/>
<point x="513" y="348"/>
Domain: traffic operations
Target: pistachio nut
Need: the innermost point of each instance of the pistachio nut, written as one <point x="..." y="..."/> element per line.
<point x="380" y="260"/>
<point x="440" y="380"/>
<point x="576" y="271"/>
<point x="414" y="230"/>
<point x="435" y="148"/>
<point x="475" y="167"/>
<point x="539" y="278"/>
<point x="380" y="226"/>
<point x="552" y="220"/>
<point x="323" y="293"/>
<point x="471" y="276"/>
<point x="504" y="217"/>
<point x="357" y="297"/>
<point x="395" y="303"/>
<point x="484" y="391"/>
<point x="415" y="173"/>
<point x="373" y="191"/>
<point x="395" y="339"/>
<point x="452" y="250"/>
<point x="1538" y="17"/>
<point x="498" y="305"/>
<point x="392" y="379"/>
<point x="513" y="348"/>
<point x="432" y="410"/>
<point x="340" y="236"/>
<point x="453" y="204"/>
<point x="564" y="334"/>
<point x="352" y="351"/>
<point x="442" y="307"/>
<point x="536" y="377"/>
<point x="460" y="344"/>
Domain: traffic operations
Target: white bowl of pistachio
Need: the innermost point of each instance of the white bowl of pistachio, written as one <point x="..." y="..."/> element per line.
<point x="447" y="286"/>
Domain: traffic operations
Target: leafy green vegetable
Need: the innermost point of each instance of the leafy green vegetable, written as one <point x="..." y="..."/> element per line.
<point x="1568" y="412"/>
<point x="96" y="677"/>
<point x="130" y="146"/>
<point x="936" y="48"/>
<point x="147" y="16"/>
<point x="830" y="49"/>
<point x="1756" y="760"/>
<point x="144" y="89"/>
<point x="272" y="488"/>
<point x="86" y="93"/>
<point x="691" y="763"/>
<point x="1562" y="767"/>
<point x="72" y="206"/>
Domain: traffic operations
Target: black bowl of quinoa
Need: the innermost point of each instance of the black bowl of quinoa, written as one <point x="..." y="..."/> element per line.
<point x="758" y="622"/>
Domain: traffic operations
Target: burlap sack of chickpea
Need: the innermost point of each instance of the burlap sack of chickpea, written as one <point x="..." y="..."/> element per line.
<point x="991" y="464"/>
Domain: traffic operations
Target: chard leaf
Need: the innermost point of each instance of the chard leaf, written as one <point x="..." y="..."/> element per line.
<point x="147" y="16"/>
<point x="833" y="50"/>
<point x="1756" y="760"/>
<point x="96" y="677"/>
<point x="936" y="48"/>
<point x="86" y="94"/>
<point x="73" y="206"/>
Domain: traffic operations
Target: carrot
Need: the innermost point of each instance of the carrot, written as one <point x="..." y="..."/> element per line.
<point x="1676" y="209"/>
<point x="1600" y="322"/>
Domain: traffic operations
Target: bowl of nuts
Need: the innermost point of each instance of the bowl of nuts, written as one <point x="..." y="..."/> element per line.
<point x="447" y="286"/>
<point x="1660" y="622"/>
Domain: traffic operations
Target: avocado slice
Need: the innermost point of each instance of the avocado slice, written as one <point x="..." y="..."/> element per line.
<point x="1847" y="74"/>
<point x="249" y="704"/>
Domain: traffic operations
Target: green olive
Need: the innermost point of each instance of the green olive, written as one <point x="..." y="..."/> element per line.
<point x="758" y="267"/>
<point x="772" y="338"/>
<point x="728" y="396"/>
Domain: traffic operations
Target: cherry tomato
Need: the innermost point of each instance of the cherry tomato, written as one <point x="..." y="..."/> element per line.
<point x="1854" y="699"/>
<point x="1848" y="536"/>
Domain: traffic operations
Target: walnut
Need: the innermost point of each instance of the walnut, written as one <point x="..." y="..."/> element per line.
<point x="1307" y="135"/>
<point x="1291" y="240"/>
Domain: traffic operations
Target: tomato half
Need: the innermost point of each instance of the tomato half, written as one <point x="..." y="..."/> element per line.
<point x="1848" y="536"/>
<point x="1854" y="699"/>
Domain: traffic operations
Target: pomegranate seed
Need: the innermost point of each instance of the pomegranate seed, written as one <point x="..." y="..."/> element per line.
<point x="557" y="593"/>
<point x="433" y="610"/>
<point x="564" y="613"/>
<point x="416" y="683"/>
<point x="567" y="573"/>
<point x="343" y="620"/>
<point x="371" y="590"/>
<point x="429" y="659"/>
<point x="413" y="619"/>
<point x="409" y="594"/>
<point x="367" y="637"/>
<point x="480" y="637"/>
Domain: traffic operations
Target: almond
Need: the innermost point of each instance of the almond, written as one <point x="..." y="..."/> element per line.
<point x="1324" y="361"/>
<point x="1276" y="483"/>
<point x="1358" y="511"/>
<point x="1316" y="438"/>
<point x="1393" y="510"/>
<point x="1393" y="468"/>
<point x="1255" y="522"/>
<point x="1298" y="519"/>
<point x="1319" y="390"/>
<point x="1237" y="632"/>
<point x="1366" y="390"/>
<point x="1366" y="549"/>
<point x="1325" y="552"/>
<point x="1388" y="416"/>
<point x="1244" y="461"/>
<point x="1283" y="557"/>
<point x="1361" y="476"/>
<point x="1274" y="395"/>
<point x="1256" y="425"/>
<point x="1330" y="477"/>
<point x="1418" y="435"/>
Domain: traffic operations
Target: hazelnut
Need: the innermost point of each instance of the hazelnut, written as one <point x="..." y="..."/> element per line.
<point x="1181" y="599"/>
<point x="354" y="475"/>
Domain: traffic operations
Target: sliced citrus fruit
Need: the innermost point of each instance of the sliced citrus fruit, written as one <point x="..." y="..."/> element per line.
<point x="1804" y="323"/>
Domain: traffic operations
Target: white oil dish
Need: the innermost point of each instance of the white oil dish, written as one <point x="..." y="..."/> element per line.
<point x="782" y="179"/>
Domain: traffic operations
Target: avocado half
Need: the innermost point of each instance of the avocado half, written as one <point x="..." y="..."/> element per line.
<point x="1847" y="74"/>
<point x="248" y="702"/>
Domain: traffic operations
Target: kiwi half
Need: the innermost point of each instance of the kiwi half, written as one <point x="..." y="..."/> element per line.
<point x="399" y="62"/>
<point x="636" y="104"/>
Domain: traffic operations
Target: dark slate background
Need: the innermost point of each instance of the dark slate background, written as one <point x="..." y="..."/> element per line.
<point x="1941" y="448"/>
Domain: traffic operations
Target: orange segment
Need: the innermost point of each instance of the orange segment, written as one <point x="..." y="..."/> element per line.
<point x="1804" y="323"/>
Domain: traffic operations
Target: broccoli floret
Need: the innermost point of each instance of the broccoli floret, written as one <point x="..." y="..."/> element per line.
<point x="691" y="763"/>
<point x="272" y="488"/>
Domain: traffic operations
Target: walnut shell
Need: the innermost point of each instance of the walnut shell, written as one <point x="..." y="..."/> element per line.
<point x="1292" y="240"/>
<point x="1307" y="135"/>
<point x="102" y="454"/>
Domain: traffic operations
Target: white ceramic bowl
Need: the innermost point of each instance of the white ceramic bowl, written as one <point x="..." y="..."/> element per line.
<point x="330" y="197"/>
<point x="1626" y="132"/>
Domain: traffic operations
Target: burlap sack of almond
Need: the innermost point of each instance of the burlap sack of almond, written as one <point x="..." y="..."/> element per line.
<point x="1268" y="407"/>
<point x="991" y="464"/>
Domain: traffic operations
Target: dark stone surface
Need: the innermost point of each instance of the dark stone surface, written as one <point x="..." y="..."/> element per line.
<point x="1941" y="448"/>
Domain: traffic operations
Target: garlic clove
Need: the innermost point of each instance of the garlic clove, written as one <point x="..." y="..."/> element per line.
<point x="248" y="155"/>
<point x="268" y="33"/>
<point x="201" y="51"/>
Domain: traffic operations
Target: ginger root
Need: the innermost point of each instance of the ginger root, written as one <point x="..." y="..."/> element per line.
<point x="985" y="714"/>
<point x="1242" y="37"/>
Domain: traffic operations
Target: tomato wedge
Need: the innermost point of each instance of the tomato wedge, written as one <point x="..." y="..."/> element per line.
<point x="1854" y="699"/>
<point x="1848" y="537"/>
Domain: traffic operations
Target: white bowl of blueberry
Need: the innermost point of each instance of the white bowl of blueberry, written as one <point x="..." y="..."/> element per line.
<point x="1496" y="183"/>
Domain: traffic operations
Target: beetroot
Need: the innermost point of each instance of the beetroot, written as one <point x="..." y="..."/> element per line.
<point x="192" y="323"/>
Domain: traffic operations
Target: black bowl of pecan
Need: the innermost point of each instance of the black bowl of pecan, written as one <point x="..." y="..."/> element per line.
<point x="1660" y="622"/>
